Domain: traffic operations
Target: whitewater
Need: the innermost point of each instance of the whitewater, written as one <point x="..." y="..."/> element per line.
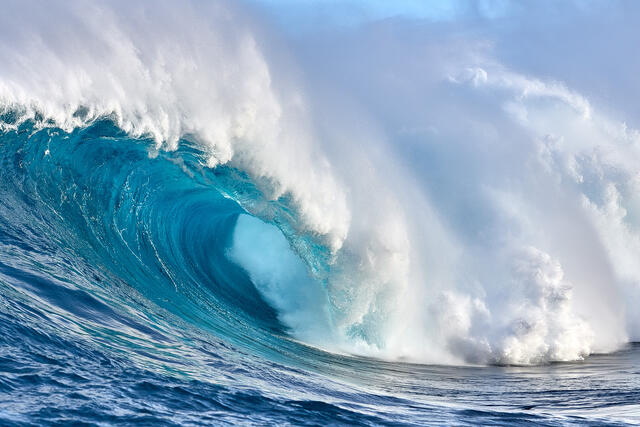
<point x="261" y="213"/>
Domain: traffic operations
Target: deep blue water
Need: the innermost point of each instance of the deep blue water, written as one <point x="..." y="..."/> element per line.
<point x="118" y="305"/>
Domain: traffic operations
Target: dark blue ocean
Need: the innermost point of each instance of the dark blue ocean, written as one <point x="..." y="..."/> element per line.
<point x="119" y="306"/>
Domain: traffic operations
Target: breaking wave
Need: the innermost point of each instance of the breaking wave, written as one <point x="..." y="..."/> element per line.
<point x="171" y="159"/>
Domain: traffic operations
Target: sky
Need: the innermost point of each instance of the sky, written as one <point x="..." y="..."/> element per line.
<point x="298" y="15"/>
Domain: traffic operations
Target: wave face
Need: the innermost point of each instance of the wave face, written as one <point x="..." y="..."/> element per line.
<point x="188" y="199"/>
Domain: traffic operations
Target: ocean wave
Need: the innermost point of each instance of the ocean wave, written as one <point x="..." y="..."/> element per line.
<point x="173" y="152"/>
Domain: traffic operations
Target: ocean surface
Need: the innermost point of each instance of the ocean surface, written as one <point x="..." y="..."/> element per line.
<point x="112" y="313"/>
<point x="256" y="213"/>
